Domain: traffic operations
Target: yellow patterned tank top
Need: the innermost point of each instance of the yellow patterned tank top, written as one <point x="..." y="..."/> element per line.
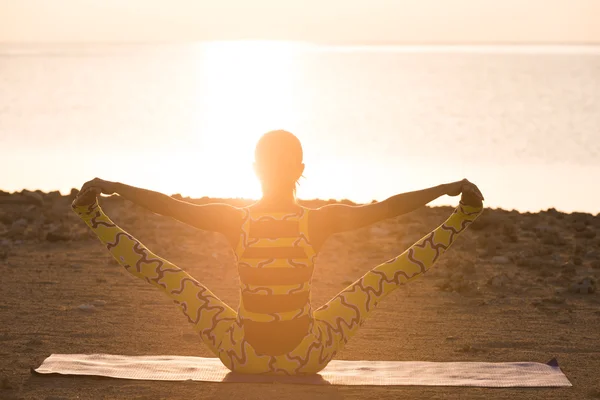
<point x="275" y="264"/>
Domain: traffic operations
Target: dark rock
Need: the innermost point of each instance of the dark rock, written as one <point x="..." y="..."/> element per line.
<point x="568" y="269"/>
<point x="18" y="228"/>
<point x="542" y="251"/>
<point x="73" y="194"/>
<point x="24" y="198"/>
<point x="524" y="261"/>
<point x="552" y="238"/>
<point x="584" y="286"/>
<point x="485" y="221"/>
<point x="468" y="267"/>
<point x="34" y="197"/>
<point x="456" y="277"/>
<point x="87" y="308"/>
<point x="57" y="237"/>
<point x="456" y="282"/>
<point x="7" y="218"/>
<point x="491" y="245"/>
<point x="553" y="212"/>
<point x="555" y="300"/>
<point x="500" y="260"/>
<point x="585" y="234"/>
<point x="453" y="262"/>
<point x="509" y="229"/>
<point x="546" y="273"/>
<point x="593" y="254"/>
<point x="579" y="226"/>
<point x="540" y="229"/>
<point x="31" y="214"/>
<point x="580" y="220"/>
<point x="5" y="384"/>
<point x="53" y="196"/>
<point x="498" y="280"/>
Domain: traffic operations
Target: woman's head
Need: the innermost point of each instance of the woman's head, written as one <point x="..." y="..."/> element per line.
<point x="278" y="161"/>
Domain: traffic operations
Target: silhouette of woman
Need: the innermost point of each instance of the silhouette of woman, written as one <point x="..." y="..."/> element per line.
<point x="275" y="330"/>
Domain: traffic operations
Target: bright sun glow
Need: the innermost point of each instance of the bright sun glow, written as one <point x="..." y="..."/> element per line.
<point x="245" y="89"/>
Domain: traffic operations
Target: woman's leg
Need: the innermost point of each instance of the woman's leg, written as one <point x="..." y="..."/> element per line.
<point x="341" y="317"/>
<point x="209" y="315"/>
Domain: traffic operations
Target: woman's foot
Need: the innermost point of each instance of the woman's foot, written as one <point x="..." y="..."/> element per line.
<point x="86" y="197"/>
<point x="471" y="199"/>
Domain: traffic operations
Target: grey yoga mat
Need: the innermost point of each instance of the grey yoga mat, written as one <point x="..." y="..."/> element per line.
<point x="338" y="372"/>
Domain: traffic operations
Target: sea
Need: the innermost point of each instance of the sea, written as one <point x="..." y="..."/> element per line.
<point x="521" y="122"/>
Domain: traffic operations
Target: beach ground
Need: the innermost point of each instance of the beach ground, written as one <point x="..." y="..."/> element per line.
<point x="508" y="290"/>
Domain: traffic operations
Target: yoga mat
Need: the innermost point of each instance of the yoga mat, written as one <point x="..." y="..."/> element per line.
<point x="338" y="372"/>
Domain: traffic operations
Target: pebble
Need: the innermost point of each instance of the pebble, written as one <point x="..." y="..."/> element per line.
<point x="594" y="255"/>
<point x="556" y="299"/>
<point x="553" y="239"/>
<point x="468" y="267"/>
<point x="18" y="227"/>
<point x="87" y="307"/>
<point x="500" y="260"/>
<point x="99" y="303"/>
<point x="499" y="280"/>
<point x="377" y="231"/>
<point x="543" y="228"/>
<point x="568" y="269"/>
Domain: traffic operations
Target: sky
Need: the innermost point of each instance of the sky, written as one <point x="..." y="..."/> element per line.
<point x="325" y="21"/>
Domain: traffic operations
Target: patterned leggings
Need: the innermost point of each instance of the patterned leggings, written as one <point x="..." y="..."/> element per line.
<point x="332" y="324"/>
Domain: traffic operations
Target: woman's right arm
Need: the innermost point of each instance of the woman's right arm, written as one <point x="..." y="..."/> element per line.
<point x="216" y="217"/>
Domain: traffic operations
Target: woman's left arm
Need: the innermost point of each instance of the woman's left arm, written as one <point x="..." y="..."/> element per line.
<point x="340" y="217"/>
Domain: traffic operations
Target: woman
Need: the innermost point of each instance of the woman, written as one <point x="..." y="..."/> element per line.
<point x="275" y="330"/>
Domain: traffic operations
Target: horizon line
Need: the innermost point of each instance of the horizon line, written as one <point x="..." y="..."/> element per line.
<point x="179" y="195"/>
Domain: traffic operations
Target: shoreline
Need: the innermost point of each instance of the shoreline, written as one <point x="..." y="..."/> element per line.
<point x="26" y="196"/>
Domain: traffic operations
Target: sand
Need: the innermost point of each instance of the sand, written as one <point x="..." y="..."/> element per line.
<point x="506" y="291"/>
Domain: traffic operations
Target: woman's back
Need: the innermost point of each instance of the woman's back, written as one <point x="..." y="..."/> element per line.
<point x="275" y="260"/>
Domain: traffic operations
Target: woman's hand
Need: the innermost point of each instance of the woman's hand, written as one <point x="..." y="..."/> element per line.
<point x="104" y="187"/>
<point x="470" y="194"/>
<point x="91" y="190"/>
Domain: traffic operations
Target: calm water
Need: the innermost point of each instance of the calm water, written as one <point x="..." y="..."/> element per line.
<point x="522" y="123"/>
